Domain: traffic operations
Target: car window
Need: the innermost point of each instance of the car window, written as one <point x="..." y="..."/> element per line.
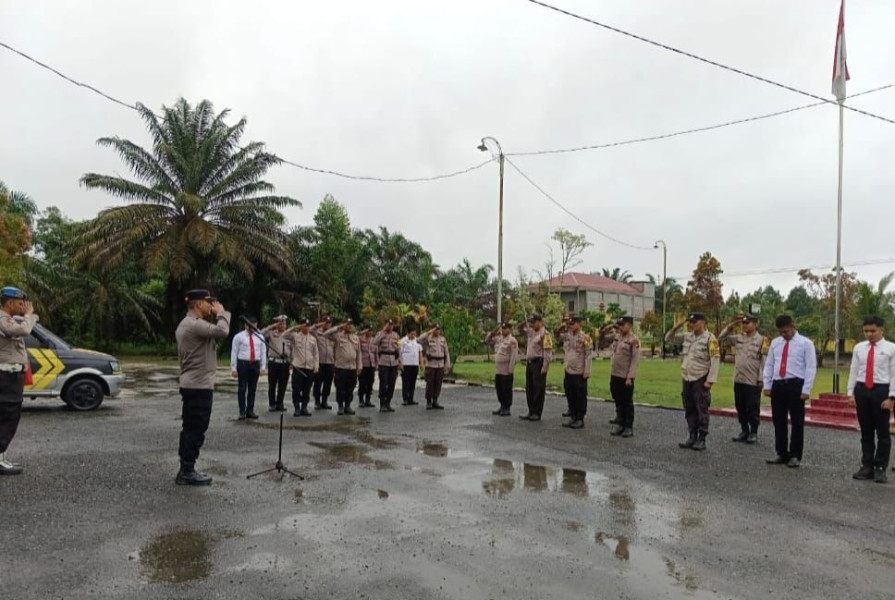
<point x="32" y="342"/>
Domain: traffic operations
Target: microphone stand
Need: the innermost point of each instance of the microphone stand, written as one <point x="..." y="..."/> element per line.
<point x="279" y="467"/>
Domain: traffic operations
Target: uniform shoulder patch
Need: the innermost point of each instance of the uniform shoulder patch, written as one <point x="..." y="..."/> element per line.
<point x="765" y="346"/>
<point x="547" y="342"/>
<point x="714" y="347"/>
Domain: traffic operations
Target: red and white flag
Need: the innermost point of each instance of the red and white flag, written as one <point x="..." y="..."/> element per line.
<point x="840" y="67"/>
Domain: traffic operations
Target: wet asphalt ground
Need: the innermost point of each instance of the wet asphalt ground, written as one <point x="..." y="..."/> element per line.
<point x="430" y="504"/>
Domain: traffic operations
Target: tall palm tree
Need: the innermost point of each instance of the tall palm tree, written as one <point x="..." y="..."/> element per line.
<point x="401" y="269"/>
<point x="877" y="300"/>
<point x="617" y="274"/>
<point x="198" y="202"/>
<point x="20" y="204"/>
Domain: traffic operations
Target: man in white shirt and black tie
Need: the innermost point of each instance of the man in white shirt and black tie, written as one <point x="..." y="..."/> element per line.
<point x="248" y="361"/>
<point x="869" y="391"/>
<point x="788" y="378"/>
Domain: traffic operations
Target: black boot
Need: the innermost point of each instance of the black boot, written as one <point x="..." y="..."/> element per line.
<point x="699" y="444"/>
<point x="189" y="476"/>
<point x="865" y="472"/>
<point x="428" y="404"/>
<point x="741" y="437"/>
<point x="348" y="410"/>
<point x="688" y="443"/>
<point x="324" y="405"/>
<point x="617" y="430"/>
<point x="341" y="410"/>
<point x="304" y="411"/>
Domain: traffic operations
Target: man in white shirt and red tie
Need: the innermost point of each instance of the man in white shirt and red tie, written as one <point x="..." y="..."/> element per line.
<point x="248" y="361"/>
<point x="788" y="378"/>
<point x="869" y="391"/>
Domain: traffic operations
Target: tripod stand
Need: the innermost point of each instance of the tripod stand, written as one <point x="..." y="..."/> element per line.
<point x="279" y="467"/>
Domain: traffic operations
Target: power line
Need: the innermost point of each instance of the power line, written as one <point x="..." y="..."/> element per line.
<point x="778" y="270"/>
<point x="706" y="60"/>
<point x="573" y="215"/>
<point x="665" y="136"/>
<point x="283" y="160"/>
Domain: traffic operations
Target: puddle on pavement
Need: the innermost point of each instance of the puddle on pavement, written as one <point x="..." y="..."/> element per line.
<point x="383" y="495"/>
<point x="298" y="496"/>
<point x="179" y="556"/>
<point x="336" y="455"/>
<point x="369" y="439"/>
<point x="217" y="470"/>
<point x="440" y="450"/>
<point x="509" y="476"/>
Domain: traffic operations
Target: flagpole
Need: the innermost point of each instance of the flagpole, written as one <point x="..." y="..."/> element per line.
<point x="838" y="257"/>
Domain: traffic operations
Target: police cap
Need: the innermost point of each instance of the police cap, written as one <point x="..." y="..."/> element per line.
<point x="536" y="317"/>
<point x="505" y="325"/>
<point x="14" y="293"/>
<point x="198" y="294"/>
<point x="622" y="320"/>
<point x="575" y="319"/>
<point x="696" y="316"/>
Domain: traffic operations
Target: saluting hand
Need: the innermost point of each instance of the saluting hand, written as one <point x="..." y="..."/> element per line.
<point x="29" y="308"/>
<point x="217" y="308"/>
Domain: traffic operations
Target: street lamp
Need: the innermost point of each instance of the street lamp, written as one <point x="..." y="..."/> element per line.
<point x="664" y="289"/>
<point x="484" y="148"/>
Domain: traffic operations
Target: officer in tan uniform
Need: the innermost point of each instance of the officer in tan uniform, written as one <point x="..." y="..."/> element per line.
<point x="538" y="353"/>
<point x="305" y="359"/>
<point x="368" y="374"/>
<point x="438" y="360"/>
<point x="625" y="358"/>
<point x="324" y="380"/>
<point x="348" y="363"/>
<point x="699" y="372"/>
<point x="13" y="361"/>
<point x="506" y="351"/>
<point x="197" y="334"/>
<point x="751" y="350"/>
<point x="578" y="351"/>
<point x="385" y="359"/>
<point x="277" y="363"/>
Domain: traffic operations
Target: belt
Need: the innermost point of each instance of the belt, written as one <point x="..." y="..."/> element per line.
<point x="11" y="368"/>
<point x="278" y="360"/>
<point x="387" y="353"/>
<point x="430" y="357"/>
<point x="788" y="380"/>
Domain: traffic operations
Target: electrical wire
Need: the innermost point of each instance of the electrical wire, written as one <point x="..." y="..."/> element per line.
<point x="707" y="61"/>
<point x="665" y="136"/>
<point x="570" y="213"/>
<point x="283" y="160"/>
<point x="779" y="270"/>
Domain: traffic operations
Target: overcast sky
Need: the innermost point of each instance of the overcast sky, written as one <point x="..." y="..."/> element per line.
<point x="404" y="88"/>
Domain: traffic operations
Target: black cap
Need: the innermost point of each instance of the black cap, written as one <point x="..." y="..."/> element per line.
<point x="505" y="325"/>
<point x="436" y="326"/>
<point x="575" y="319"/>
<point x="536" y="317"/>
<point x="304" y="321"/>
<point x="13" y="293"/>
<point x="622" y="320"/>
<point x="390" y="322"/>
<point x="198" y="294"/>
<point x="250" y="319"/>
<point x="750" y="318"/>
<point x="696" y="317"/>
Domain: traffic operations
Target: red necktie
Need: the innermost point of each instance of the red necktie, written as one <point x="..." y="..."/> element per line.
<point x="784" y="360"/>
<point x="251" y="348"/>
<point x="868" y="378"/>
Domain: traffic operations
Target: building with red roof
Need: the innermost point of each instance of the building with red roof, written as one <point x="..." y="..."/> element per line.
<point x="583" y="291"/>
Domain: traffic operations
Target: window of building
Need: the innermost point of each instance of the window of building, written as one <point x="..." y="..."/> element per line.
<point x="571" y="306"/>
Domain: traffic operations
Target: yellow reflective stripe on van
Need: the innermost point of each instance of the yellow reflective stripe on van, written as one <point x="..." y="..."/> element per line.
<point x="49" y="366"/>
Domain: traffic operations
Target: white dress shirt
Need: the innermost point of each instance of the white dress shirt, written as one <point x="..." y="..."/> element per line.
<point x="410" y="352"/>
<point x="883" y="364"/>
<point x="801" y="362"/>
<point x="242" y="349"/>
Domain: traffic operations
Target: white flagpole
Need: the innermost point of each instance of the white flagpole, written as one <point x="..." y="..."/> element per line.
<point x="836" y="333"/>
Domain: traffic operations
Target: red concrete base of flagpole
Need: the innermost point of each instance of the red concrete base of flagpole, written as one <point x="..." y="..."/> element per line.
<point x="828" y="410"/>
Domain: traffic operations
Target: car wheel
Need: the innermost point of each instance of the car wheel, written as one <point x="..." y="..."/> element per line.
<point x="83" y="394"/>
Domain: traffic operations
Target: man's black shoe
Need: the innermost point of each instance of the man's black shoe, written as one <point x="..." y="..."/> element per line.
<point x="251" y="415"/>
<point x="8" y="468"/>
<point x="628" y="432"/>
<point x="741" y="437"/>
<point x="348" y="411"/>
<point x="865" y="472"/>
<point x="534" y="418"/>
<point x="778" y="460"/>
<point x="504" y="412"/>
<point x="576" y="424"/>
<point x="413" y="403"/>
<point x="192" y="478"/>
<point x="497" y="412"/>
<point x="567" y="414"/>
<point x="437" y="406"/>
<point x="304" y="413"/>
<point x="297" y="413"/>
<point x="793" y="463"/>
<point x="879" y="475"/>
<point x="614" y="421"/>
<point x="617" y="430"/>
<point x="525" y="417"/>
<point x="428" y="406"/>
<point x="325" y="406"/>
<point x="699" y="444"/>
<point x="687" y="443"/>
<point x="242" y="417"/>
<point x="281" y="409"/>
<point x="272" y="409"/>
<point x="752" y="438"/>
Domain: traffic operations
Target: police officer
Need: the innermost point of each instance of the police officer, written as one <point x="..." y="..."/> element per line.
<point x="278" y="352"/>
<point x="506" y="350"/>
<point x="538" y="352"/>
<point x="699" y="372"/>
<point x="13" y="360"/>
<point x="578" y="352"/>
<point x="348" y="363"/>
<point x="622" y="372"/>
<point x="324" y="380"/>
<point x="206" y="322"/>
<point x="438" y="360"/>
<point x="305" y="360"/>
<point x="368" y="373"/>
<point x="751" y="349"/>
<point x="385" y="358"/>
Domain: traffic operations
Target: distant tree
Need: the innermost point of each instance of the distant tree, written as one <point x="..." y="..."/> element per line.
<point x="874" y="300"/>
<point x="15" y="241"/>
<point x="704" y="290"/>
<point x="651" y="325"/>
<point x="772" y="304"/>
<point x="571" y="246"/>
<point x="819" y="324"/>
<point x="617" y="274"/>
<point x="19" y="204"/>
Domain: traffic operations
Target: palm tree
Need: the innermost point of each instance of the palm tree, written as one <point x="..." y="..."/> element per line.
<point x="617" y="274"/>
<point x="876" y="301"/>
<point x="20" y="204"/>
<point x="401" y="269"/>
<point x="199" y="201"/>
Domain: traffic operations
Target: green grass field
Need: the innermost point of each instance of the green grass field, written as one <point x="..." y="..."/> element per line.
<point x="658" y="382"/>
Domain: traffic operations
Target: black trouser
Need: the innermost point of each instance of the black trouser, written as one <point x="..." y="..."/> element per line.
<point x="408" y="382"/>
<point x="697" y="400"/>
<point x="323" y="383"/>
<point x="876" y="441"/>
<point x="302" y="380"/>
<point x="346" y="380"/>
<point x="623" y="395"/>
<point x="11" y="387"/>
<point x="247" y="374"/>
<point x="786" y="402"/>
<point x="575" y="387"/>
<point x="747" y="399"/>
<point x="535" y="386"/>
<point x="434" y="378"/>
<point x="503" y="384"/>
<point x="195" y="416"/>
<point x="365" y="383"/>
<point x="387" y="378"/>
<point x="277" y="379"/>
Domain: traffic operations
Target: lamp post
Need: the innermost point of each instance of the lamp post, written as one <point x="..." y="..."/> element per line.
<point x="484" y="148"/>
<point x="664" y="289"/>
